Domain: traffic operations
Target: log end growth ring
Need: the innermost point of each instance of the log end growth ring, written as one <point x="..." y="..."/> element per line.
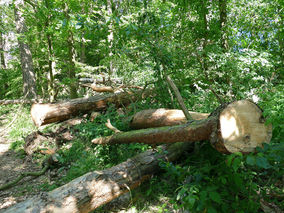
<point x="241" y="128"/>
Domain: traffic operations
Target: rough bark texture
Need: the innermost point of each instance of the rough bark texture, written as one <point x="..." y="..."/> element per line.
<point x="55" y="112"/>
<point x="223" y="23"/>
<point x="4" y="87"/>
<point x="162" y="117"/>
<point x="189" y="132"/>
<point x="51" y="61"/>
<point x="71" y="54"/>
<point x="234" y="127"/>
<point x="29" y="78"/>
<point x="94" y="189"/>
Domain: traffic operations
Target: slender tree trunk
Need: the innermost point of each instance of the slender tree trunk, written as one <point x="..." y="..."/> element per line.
<point x="71" y="55"/>
<point x="83" y="40"/>
<point x="223" y="23"/>
<point x="3" y="64"/>
<point x="280" y="35"/>
<point x="29" y="78"/>
<point x="51" y="62"/>
<point x="203" y="61"/>
<point x="83" y="49"/>
<point x="110" y="37"/>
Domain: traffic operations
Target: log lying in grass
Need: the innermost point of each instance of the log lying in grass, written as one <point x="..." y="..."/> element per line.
<point x="234" y="127"/>
<point x="162" y="117"/>
<point x="54" y="112"/>
<point x="94" y="189"/>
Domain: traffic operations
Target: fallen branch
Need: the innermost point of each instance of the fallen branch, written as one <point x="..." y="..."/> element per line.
<point x="179" y="98"/>
<point x="51" y="160"/>
<point x="111" y="127"/>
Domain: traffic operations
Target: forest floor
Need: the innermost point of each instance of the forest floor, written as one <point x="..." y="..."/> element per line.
<point x="12" y="164"/>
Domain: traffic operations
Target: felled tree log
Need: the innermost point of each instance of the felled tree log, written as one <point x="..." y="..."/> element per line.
<point x="94" y="189"/>
<point x="150" y="118"/>
<point x="234" y="127"/>
<point x="95" y="88"/>
<point x="54" y="112"/>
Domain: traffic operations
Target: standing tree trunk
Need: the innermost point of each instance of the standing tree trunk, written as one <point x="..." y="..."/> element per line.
<point x="51" y="62"/>
<point x="110" y="8"/>
<point x="29" y="78"/>
<point x="3" y="63"/>
<point x="223" y="23"/>
<point x="71" y="54"/>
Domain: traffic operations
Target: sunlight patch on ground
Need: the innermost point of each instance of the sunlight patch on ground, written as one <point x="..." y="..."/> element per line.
<point x="8" y="201"/>
<point x="4" y="148"/>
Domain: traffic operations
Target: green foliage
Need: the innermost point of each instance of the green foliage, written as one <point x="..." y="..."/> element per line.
<point x="143" y="41"/>
<point x="211" y="182"/>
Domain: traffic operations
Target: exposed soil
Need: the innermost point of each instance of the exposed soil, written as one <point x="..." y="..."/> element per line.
<point x="12" y="164"/>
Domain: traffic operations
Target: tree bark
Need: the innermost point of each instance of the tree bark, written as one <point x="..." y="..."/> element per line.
<point x="3" y="62"/>
<point x="162" y="117"/>
<point x="234" y="127"/>
<point x="223" y="23"/>
<point x="51" y="62"/>
<point x="71" y="55"/>
<point x="90" y="191"/>
<point x="29" y="78"/>
<point x="55" y="112"/>
<point x="110" y="37"/>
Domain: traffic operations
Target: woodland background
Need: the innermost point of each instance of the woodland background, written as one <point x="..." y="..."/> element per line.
<point x="214" y="50"/>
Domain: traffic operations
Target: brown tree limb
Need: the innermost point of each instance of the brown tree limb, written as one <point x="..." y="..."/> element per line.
<point x="179" y="98"/>
<point x="111" y="127"/>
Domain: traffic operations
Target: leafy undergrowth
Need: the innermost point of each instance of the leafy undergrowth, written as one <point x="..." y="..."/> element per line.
<point x="201" y="181"/>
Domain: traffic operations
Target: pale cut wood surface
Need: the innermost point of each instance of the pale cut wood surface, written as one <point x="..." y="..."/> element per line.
<point x="243" y="127"/>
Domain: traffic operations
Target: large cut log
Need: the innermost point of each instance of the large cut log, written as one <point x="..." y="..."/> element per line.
<point x="94" y="189"/>
<point x="234" y="127"/>
<point x="54" y="112"/>
<point x="150" y="118"/>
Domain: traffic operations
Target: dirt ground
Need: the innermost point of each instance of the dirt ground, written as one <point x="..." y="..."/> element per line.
<point x="11" y="166"/>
